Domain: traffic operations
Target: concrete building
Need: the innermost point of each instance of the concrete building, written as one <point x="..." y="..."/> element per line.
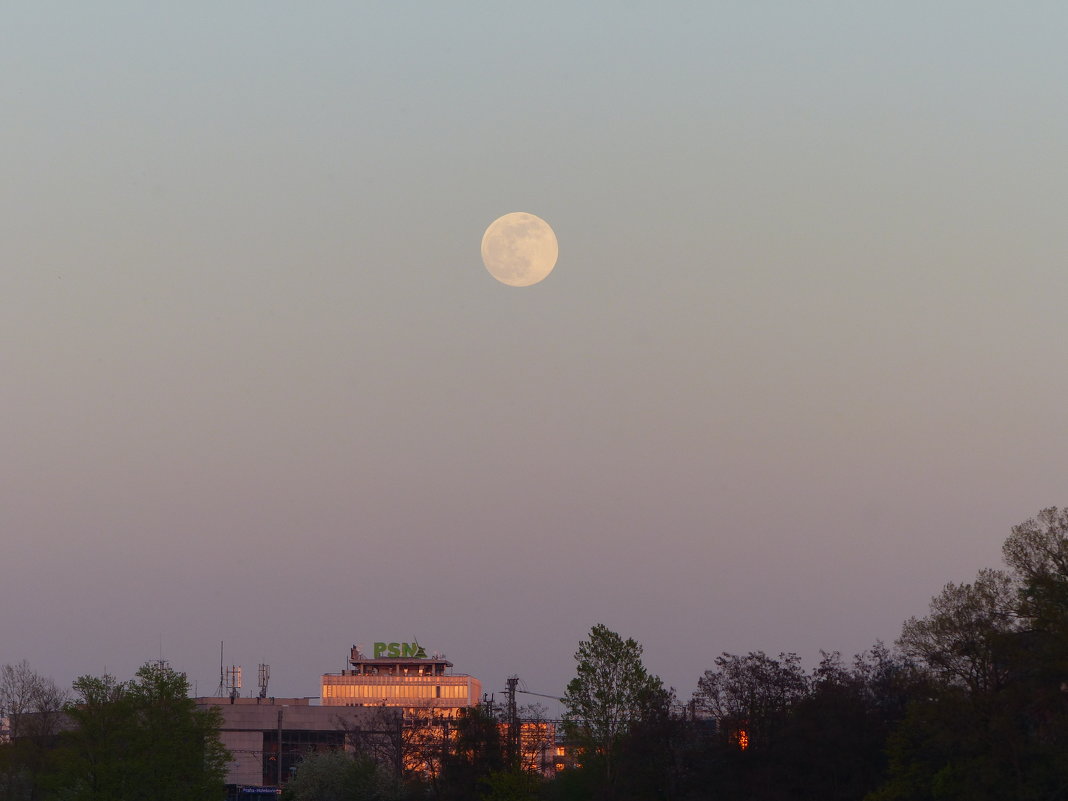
<point x="381" y="706"/>
<point x="267" y="737"/>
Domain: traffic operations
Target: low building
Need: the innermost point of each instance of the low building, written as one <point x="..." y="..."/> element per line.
<point x="267" y="737"/>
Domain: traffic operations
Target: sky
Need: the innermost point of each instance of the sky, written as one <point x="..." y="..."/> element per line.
<point x="800" y="363"/>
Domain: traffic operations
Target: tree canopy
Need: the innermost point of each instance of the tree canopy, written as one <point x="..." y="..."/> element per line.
<point x="610" y="693"/>
<point x="144" y="738"/>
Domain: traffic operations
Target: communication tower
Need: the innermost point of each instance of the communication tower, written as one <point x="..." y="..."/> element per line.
<point x="221" y="691"/>
<point x="233" y="681"/>
<point x="264" y="677"/>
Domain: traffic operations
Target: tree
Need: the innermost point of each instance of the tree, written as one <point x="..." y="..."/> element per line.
<point x="1037" y="549"/>
<point x="536" y="738"/>
<point x="611" y="692"/>
<point x="32" y="705"/>
<point x="379" y="738"/>
<point x="963" y="637"/>
<point x="511" y="785"/>
<point x="832" y="745"/>
<point x="425" y="737"/>
<point x="474" y="751"/>
<point x="138" y="739"/>
<point x="1037" y="553"/>
<point x="994" y="721"/>
<point x="339" y="776"/>
<point x="749" y="696"/>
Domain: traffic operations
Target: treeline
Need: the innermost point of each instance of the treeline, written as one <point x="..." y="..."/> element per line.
<point x="110" y="741"/>
<point x="971" y="704"/>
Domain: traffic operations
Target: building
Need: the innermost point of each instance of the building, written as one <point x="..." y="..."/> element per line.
<point x="423" y="687"/>
<point x="267" y="737"/>
<point x="401" y="675"/>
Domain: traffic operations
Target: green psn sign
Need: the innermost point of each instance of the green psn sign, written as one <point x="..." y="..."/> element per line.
<point x="400" y="650"/>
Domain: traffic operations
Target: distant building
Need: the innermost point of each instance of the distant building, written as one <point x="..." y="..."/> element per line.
<point x="400" y="674"/>
<point x="268" y="737"/>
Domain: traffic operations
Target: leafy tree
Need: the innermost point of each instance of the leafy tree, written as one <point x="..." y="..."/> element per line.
<point x="340" y="776"/>
<point x="511" y="785"/>
<point x="1037" y="553"/>
<point x="651" y="754"/>
<point x="963" y="637"/>
<point x="474" y="753"/>
<point x="994" y="722"/>
<point x="749" y="696"/>
<point x="92" y="760"/>
<point x="610" y="693"/>
<point x="138" y="739"/>
<point x="818" y="735"/>
<point x="832" y="743"/>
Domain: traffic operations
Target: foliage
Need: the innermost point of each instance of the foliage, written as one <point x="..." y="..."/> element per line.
<point x="962" y="639"/>
<point x="611" y="692"/>
<point x="650" y="755"/>
<point x="138" y="739"/>
<point x="612" y="688"/>
<point x="339" y="776"/>
<point x="750" y="695"/>
<point x="476" y="752"/>
<point x="994" y="721"/>
<point x="510" y="785"/>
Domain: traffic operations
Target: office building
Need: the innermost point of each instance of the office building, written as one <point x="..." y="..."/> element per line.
<point x="400" y="675"/>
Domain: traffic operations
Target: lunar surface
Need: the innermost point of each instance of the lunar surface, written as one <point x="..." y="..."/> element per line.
<point x="519" y="249"/>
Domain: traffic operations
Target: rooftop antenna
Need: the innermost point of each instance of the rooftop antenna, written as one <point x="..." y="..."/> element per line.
<point x="233" y="682"/>
<point x="264" y="677"/>
<point x="219" y="693"/>
<point x="162" y="664"/>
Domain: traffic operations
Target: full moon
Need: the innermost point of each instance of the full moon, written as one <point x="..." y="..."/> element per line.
<point x="519" y="249"/>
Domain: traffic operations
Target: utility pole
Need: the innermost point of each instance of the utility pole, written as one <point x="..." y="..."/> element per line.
<point x="399" y="750"/>
<point x="279" y="779"/>
<point x="513" y="724"/>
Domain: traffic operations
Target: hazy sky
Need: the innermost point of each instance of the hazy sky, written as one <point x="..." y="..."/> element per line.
<point x="802" y="359"/>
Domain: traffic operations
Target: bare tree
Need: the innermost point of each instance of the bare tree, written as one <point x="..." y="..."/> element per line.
<point x="426" y="737"/>
<point x="33" y="706"/>
<point x="537" y="739"/>
<point x="380" y="738"/>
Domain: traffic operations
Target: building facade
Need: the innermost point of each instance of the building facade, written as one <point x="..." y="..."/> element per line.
<point x="268" y="737"/>
<point x="400" y="675"/>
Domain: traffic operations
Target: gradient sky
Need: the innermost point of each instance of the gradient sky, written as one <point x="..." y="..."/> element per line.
<point x="802" y="359"/>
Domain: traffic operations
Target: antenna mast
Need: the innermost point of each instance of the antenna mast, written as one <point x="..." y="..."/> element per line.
<point x="219" y="693"/>
<point x="265" y="676"/>
<point x="233" y="682"/>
